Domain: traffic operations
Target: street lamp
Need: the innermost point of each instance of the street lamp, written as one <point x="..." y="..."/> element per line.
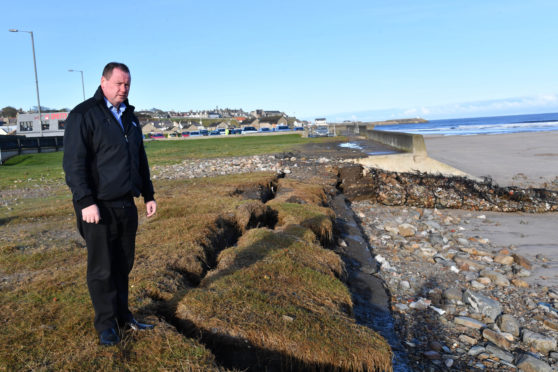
<point x="36" y="78"/>
<point x="82" y="85"/>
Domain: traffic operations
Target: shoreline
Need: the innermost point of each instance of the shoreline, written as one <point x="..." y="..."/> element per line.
<point x="509" y="159"/>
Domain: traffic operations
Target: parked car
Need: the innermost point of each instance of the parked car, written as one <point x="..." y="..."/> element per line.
<point x="282" y="128"/>
<point x="215" y="132"/>
<point x="185" y="134"/>
<point x="298" y="128"/>
<point x="321" y="131"/>
<point x="235" y="131"/>
<point x="265" y="129"/>
<point x="195" y="134"/>
<point x="247" y="130"/>
<point x="156" y="135"/>
<point x="204" y="132"/>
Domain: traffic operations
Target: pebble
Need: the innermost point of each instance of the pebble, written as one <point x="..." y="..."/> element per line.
<point x="507" y="323"/>
<point x="469" y="322"/>
<point x="499" y="353"/>
<point x="541" y="343"/>
<point x="482" y="304"/>
<point x="487" y="302"/>
<point x="497" y="338"/>
<point x="529" y="363"/>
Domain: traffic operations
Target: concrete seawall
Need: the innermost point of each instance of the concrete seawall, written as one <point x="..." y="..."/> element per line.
<point x="406" y="142"/>
<point x="413" y="159"/>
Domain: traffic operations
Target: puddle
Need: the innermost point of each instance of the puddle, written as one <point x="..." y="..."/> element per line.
<point x="365" y="148"/>
<point x="351" y="145"/>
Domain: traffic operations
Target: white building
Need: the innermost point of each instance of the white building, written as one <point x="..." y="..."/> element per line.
<point x="51" y="124"/>
<point x="320" y="121"/>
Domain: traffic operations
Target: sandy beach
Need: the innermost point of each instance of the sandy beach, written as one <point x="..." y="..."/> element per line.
<point x="518" y="159"/>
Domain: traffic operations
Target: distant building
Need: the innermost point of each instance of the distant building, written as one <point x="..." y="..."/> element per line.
<point x="272" y="122"/>
<point x="258" y="114"/>
<point x="320" y="121"/>
<point x="51" y="124"/>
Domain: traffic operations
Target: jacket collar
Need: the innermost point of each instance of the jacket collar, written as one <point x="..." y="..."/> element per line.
<point x="100" y="98"/>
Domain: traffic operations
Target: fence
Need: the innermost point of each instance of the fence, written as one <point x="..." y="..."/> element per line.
<point x="17" y="145"/>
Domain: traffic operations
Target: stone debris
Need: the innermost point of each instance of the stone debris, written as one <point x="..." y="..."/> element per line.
<point x="492" y="319"/>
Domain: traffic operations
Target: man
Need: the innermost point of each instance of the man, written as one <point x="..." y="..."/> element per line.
<point x="106" y="167"/>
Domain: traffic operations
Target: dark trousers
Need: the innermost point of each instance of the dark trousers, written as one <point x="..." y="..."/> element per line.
<point x="110" y="257"/>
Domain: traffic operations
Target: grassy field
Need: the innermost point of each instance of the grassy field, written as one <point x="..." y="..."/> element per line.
<point x="230" y="282"/>
<point x="46" y="168"/>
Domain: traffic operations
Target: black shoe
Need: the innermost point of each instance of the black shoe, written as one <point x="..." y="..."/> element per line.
<point x="137" y="326"/>
<point x="109" y="337"/>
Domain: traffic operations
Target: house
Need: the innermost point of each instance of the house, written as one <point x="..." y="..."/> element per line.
<point x="263" y="113"/>
<point x="272" y="122"/>
<point x="157" y="126"/>
<point x="320" y="121"/>
<point x="51" y="124"/>
<point x="250" y="123"/>
<point x="192" y="128"/>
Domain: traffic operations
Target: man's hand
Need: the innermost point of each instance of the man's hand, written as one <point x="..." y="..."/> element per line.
<point x="91" y="214"/>
<point x="151" y="207"/>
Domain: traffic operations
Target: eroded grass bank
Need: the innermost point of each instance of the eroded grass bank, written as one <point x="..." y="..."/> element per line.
<point x="231" y="279"/>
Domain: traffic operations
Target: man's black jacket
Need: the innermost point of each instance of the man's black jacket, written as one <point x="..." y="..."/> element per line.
<point x="101" y="161"/>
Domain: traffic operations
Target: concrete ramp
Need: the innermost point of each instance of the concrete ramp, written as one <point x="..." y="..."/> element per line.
<point x="411" y="163"/>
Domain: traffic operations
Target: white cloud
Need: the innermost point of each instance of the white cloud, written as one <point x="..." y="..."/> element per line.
<point x="542" y="103"/>
<point x="508" y="106"/>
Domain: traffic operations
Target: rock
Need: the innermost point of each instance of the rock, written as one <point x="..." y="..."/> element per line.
<point x="469" y="322"/>
<point x="453" y="295"/>
<point x="476" y="350"/>
<point x="470" y="275"/>
<point x="427" y="251"/>
<point x="496" y="277"/>
<point x="508" y="323"/>
<point x="432" y="355"/>
<point x="401" y="307"/>
<point x="484" y="280"/>
<point x="503" y="259"/>
<point x="522" y="261"/>
<point x="496" y="338"/>
<point x="528" y="363"/>
<point x="406" y="230"/>
<point x="467" y="340"/>
<point x="474" y="251"/>
<point x="552" y="324"/>
<point x="499" y="353"/>
<point x="520" y="283"/>
<point x="541" y="343"/>
<point x="482" y="304"/>
<point x="471" y="264"/>
<point x="435" y="345"/>
<point x="523" y="273"/>
<point x="405" y="285"/>
<point x="420" y="304"/>
<point x="448" y="363"/>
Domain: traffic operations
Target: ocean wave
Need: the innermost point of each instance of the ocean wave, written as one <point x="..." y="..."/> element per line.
<point x="456" y="128"/>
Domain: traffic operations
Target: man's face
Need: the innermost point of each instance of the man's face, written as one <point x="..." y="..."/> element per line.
<point x="116" y="88"/>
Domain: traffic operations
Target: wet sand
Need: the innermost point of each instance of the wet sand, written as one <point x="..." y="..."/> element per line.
<point x="521" y="159"/>
<point x="517" y="159"/>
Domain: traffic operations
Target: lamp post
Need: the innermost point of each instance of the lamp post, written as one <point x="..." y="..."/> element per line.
<point x="82" y="85"/>
<point x="36" y="78"/>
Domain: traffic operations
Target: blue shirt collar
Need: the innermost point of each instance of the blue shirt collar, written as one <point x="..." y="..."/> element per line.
<point x="113" y="109"/>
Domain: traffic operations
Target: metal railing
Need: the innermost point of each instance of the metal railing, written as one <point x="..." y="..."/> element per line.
<point x="17" y="145"/>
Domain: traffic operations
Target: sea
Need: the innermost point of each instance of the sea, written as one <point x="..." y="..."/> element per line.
<point x="483" y="125"/>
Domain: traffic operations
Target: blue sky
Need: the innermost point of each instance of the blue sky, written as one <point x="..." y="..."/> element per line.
<point x="365" y="60"/>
